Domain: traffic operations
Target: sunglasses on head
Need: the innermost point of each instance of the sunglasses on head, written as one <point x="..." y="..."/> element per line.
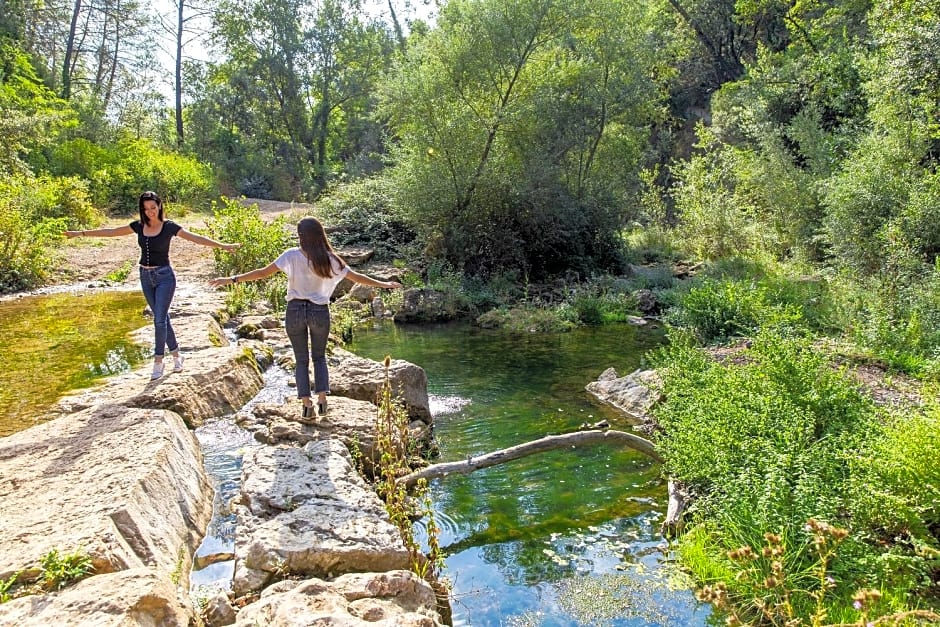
<point x="149" y="196"/>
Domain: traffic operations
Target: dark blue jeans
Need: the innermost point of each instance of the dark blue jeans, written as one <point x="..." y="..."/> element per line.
<point x="308" y="327"/>
<point x="158" y="285"/>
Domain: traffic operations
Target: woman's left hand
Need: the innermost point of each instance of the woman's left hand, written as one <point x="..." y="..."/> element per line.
<point x="230" y="248"/>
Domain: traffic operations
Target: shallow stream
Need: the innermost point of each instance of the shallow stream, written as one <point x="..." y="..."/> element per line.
<point x="560" y="538"/>
<point x="564" y="538"/>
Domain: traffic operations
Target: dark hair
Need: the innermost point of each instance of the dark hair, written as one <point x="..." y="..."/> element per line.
<point x="140" y="206"/>
<point x="316" y="247"/>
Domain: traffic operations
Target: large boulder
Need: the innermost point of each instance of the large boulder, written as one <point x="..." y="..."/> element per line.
<point x="634" y="394"/>
<point x="360" y="378"/>
<point x="398" y="598"/>
<point x="125" y="486"/>
<point x="306" y="511"/>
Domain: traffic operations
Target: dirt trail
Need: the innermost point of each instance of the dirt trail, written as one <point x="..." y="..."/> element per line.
<point x="92" y="259"/>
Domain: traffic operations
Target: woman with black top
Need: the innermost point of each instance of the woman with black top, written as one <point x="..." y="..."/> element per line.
<point x="157" y="279"/>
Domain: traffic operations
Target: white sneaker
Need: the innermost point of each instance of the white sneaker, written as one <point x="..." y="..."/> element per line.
<point x="157" y="370"/>
<point x="178" y="363"/>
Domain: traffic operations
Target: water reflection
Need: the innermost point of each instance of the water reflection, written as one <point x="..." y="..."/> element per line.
<point x="559" y="538"/>
<point x="52" y="344"/>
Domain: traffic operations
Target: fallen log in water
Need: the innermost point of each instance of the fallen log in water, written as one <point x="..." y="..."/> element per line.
<point x="677" y="496"/>
<point x="548" y="443"/>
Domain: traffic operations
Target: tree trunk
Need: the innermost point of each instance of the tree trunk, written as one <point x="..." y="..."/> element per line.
<point x="69" y="51"/>
<point x="547" y="443"/>
<point x="178" y="84"/>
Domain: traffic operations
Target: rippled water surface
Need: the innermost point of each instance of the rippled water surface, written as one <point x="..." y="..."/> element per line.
<point x="560" y="538"/>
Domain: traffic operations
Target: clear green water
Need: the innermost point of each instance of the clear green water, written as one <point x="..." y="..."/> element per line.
<point x="560" y="538"/>
<point x="55" y="343"/>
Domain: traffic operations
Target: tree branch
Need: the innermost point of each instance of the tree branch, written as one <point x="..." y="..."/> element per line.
<point x="547" y="443"/>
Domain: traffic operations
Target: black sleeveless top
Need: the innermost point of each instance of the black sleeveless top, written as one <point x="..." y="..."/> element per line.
<point x="155" y="251"/>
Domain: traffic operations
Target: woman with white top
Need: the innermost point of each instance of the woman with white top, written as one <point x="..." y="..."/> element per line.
<point x="313" y="271"/>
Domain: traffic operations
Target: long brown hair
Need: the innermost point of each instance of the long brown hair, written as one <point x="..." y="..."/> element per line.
<point x="316" y="247"/>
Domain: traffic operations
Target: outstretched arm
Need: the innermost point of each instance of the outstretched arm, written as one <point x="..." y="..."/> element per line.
<point x="118" y="230"/>
<point x="205" y="241"/>
<point x="253" y="275"/>
<point x="358" y="277"/>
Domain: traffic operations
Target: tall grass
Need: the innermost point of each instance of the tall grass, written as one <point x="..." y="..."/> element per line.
<point x="777" y="436"/>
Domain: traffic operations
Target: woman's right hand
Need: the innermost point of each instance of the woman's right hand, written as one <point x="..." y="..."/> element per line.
<point x="221" y="281"/>
<point x="71" y="234"/>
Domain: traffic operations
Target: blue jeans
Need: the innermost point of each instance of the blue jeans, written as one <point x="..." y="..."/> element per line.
<point x="307" y="322"/>
<point x="158" y="285"/>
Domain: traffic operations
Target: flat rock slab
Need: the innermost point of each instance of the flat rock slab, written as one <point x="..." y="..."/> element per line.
<point x="351" y="421"/>
<point x="306" y="511"/>
<point x="125" y="485"/>
<point x="214" y="382"/>
<point x="129" y="597"/>
<point x="398" y="598"/>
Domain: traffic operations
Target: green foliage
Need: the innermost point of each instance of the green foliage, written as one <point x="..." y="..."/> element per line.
<point x="118" y="173"/>
<point x="33" y="214"/>
<point x="319" y="63"/>
<point x="716" y="310"/>
<point x="30" y="113"/>
<point x="736" y="297"/>
<point x="897" y="319"/>
<point x="530" y="319"/>
<point x="6" y="585"/>
<point x="119" y="275"/>
<point x="480" y="102"/>
<point x="718" y="216"/>
<point x="394" y="449"/>
<point x="261" y="241"/>
<point x="59" y="570"/>
<point x="897" y="490"/>
<point x="362" y="216"/>
<point x="602" y="304"/>
<point x="773" y="436"/>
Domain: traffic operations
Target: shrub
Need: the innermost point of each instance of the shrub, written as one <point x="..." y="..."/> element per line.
<point x="775" y="437"/>
<point x="261" y="243"/>
<point x="120" y="172"/>
<point x="33" y="214"/>
<point x="362" y="212"/>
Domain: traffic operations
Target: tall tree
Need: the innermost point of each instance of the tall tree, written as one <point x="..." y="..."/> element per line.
<point x="519" y="123"/>
<point x="317" y="62"/>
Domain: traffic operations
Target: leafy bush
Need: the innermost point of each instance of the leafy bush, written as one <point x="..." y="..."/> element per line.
<point x="362" y="216"/>
<point x="33" y="214"/>
<point x="896" y="490"/>
<point x="120" y="172"/>
<point x="898" y="321"/>
<point x="261" y="243"/>
<point x="722" y="309"/>
<point x="775" y="436"/>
